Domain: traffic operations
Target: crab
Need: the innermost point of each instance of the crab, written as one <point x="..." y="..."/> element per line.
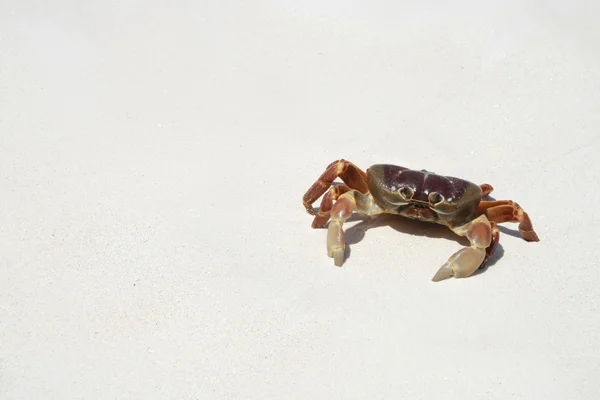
<point x="421" y="195"/>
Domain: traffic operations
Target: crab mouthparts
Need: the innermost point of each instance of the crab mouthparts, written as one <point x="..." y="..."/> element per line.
<point x="412" y="203"/>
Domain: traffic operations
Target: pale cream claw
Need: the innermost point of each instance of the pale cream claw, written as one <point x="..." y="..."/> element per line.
<point x="342" y="209"/>
<point x="444" y="272"/>
<point x="335" y="242"/>
<point x="462" y="264"/>
<point x="338" y="257"/>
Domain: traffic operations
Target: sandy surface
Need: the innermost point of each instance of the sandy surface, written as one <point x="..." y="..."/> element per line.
<point x="153" y="156"/>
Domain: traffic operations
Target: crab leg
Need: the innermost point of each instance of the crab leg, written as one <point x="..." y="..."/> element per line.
<point x="509" y="211"/>
<point x="489" y="251"/>
<point x="486" y="189"/>
<point x="483" y="238"/>
<point x="332" y="195"/>
<point x="342" y="210"/>
<point x="352" y="176"/>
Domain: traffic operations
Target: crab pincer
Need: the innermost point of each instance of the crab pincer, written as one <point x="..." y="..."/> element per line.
<point x="468" y="259"/>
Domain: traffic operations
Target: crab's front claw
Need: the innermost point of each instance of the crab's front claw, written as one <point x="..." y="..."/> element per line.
<point x="340" y="212"/>
<point x="462" y="264"/>
<point x="335" y="243"/>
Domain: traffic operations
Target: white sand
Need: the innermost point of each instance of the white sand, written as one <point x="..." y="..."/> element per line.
<point x="153" y="156"/>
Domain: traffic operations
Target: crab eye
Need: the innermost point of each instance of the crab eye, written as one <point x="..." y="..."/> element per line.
<point x="406" y="192"/>
<point x="435" y="198"/>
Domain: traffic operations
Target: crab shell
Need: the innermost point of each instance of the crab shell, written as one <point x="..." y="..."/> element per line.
<point x="423" y="195"/>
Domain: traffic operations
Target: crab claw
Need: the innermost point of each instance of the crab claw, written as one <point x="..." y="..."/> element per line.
<point x="461" y="264"/>
<point x="335" y="243"/>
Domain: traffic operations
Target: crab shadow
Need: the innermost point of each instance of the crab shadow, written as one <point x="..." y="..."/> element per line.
<point x="356" y="233"/>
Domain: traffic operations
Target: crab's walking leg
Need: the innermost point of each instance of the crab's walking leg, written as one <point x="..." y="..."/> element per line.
<point x="342" y="210"/>
<point x="468" y="259"/>
<point x="332" y="195"/>
<point x="489" y="251"/>
<point x="509" y="211"/>
<point x="352" y="176"/>
<point x="486" y="189"/>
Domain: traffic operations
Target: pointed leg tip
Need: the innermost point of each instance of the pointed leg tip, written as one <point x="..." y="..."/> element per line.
<point x="318" y="223"/>
<point x="309" y="209"/>
<point x="530" y="236"/>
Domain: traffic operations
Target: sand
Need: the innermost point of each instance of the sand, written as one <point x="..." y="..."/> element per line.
<point x="153" y="156"/>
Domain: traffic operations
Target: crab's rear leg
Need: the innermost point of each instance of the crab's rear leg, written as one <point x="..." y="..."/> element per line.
<point x="486" y="189"/>
<point x="352" y="176"/>
<point x="347" y="203"/>
<point x="483" y="236"/>
<point x="509" y="211"/>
